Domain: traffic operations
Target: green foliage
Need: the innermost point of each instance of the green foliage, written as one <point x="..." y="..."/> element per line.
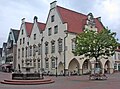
<point x="94" y="44"/>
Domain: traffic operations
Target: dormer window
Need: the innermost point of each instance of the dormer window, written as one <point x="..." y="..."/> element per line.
<point x="52" y="18"/>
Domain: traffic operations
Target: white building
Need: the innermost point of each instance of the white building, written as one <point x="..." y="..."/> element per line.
<point x="116" y="58"/>
<point x="4" y="55"/>
<point x="29" y="38"/>
<point x="11" y="50"/>
<point x="0" y="59"/>
<point x="50" y="47"/>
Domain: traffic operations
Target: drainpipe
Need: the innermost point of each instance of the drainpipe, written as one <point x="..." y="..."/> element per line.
<point x="42" y="53"/>
<point x="65" y="52"/>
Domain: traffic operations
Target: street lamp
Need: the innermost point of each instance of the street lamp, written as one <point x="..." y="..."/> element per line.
<point x="56" y="65"/>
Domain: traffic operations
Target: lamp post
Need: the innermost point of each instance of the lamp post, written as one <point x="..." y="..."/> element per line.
<point x="56" y="65"/>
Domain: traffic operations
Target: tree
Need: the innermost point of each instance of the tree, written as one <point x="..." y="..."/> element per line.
<point x="96" y="45"/>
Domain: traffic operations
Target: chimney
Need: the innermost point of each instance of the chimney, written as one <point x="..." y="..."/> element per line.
<point x="35" y="19"/>
<point x="23" y="20"/>
<point x="53" y="4"/>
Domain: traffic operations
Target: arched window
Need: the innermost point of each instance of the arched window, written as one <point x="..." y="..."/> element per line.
<point x="39" y="49"/>
<point x="38" y="63"/>
<point x="30" y="50"/>
<point x="52" y="46"/>
<point x="59" y="45"/>
<point x="34" y="50"/>
<point x="73" y="44"/>
<point x="46" y="63"/>
<point x="46" y="47"/>
<point x="26" y="51"/>
<point x="22" y="52"/>
<point x="53" y="62"/>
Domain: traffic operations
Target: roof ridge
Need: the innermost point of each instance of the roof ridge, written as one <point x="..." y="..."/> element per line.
<point x="29" y="22"/>
<point x="15" y="29"/>
<point x="72" y="10"/>
<point x="41" y="22"/>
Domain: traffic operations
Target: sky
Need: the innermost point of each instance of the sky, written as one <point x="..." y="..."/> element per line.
<point x="12" y="11"/>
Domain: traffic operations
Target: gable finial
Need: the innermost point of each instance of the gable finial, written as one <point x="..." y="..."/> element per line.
<point x="35" y="18"/>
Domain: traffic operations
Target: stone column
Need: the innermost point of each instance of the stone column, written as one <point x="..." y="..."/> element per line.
<point x="111" y="70"/>
<point x="80" y="71"/>
<point x="103" y="71"/>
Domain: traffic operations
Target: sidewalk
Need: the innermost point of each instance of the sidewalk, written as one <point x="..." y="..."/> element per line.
<point x="69" y="82"/>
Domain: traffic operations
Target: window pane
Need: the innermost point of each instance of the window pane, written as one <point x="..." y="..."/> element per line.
<point x="53" y="63"/>
<point x="46" y="48"/>
<point x="55" y="29"/>
<point x="60" y="45"/>
<point x="39" y="49"/>
<point x="47" y="64"/>
<point x="26" y="51"/>
<point x="52" y="18"/>
<point x="34" y="36"/>
<point x="49" y="31"/>
<point x="22" y="52"/>
<point x="52" y="47"/>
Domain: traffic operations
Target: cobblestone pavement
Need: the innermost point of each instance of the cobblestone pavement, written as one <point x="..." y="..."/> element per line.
<point x="68" y="82"/>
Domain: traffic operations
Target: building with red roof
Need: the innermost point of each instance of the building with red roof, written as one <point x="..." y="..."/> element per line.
<point x="48" y="47"/>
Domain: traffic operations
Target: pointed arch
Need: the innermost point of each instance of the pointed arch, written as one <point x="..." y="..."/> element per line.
<point x="86" y="66"/>
<point x="107" y="66"/>
<point x="73" y="66"/>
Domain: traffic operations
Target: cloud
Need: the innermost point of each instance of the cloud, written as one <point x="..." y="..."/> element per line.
<point x="109" y="11"/>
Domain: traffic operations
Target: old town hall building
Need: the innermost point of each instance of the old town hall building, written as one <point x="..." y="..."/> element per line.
<point x="49" y="46"/>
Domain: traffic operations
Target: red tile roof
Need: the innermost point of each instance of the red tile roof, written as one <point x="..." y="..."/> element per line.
<point x="76" y="21"/>
<point x="28" y="27"/>
<point x="99" y="25"/>
<point x="41" y="26"/>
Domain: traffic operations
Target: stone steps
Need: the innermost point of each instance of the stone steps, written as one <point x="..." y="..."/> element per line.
<point x="28" y="82"/>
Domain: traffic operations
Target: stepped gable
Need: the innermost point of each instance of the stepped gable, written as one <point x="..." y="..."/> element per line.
<point x="76" y="21"/>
